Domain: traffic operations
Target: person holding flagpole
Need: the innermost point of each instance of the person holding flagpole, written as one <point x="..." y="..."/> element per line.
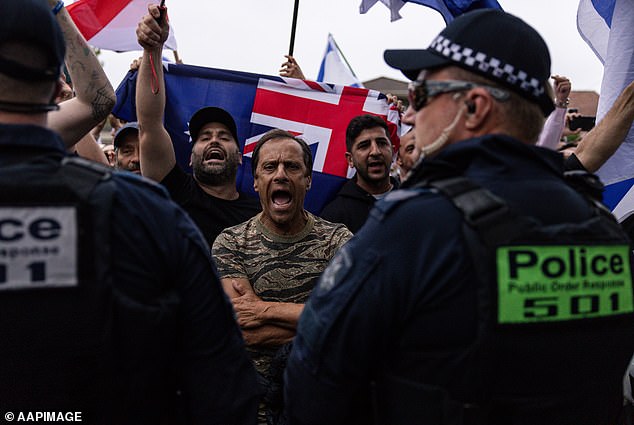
<point x="209" y="196"/>
<point x="291" y="69"/>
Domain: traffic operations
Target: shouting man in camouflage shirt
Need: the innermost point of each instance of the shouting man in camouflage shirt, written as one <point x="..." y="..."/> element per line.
<point x="268" y="264"/>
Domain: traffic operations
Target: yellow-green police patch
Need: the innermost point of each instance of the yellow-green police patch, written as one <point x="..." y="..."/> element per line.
<point x="563" y="282"/>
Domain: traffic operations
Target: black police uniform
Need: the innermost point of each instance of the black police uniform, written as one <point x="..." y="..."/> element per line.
<point x="110" y="305"/>
<point x="394" y="318"/>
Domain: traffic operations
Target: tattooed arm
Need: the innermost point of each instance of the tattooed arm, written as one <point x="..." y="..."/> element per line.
<point x="95" y="96"/>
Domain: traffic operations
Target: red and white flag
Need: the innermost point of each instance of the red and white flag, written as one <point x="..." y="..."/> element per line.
<point x="111" y="24"/>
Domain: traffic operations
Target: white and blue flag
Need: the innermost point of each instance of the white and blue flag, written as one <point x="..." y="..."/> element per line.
<point x="334" y="67"/>
<point x="449" y="9"/>
<point x="608" y="27"/>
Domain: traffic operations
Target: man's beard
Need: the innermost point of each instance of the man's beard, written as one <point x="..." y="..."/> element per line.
<point x="132" y="167"/>
<point x="217" y="174"/>
<point x="363" y="172"/>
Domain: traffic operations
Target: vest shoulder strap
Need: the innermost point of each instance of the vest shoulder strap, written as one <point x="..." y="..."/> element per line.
<point x="486" y="213"/>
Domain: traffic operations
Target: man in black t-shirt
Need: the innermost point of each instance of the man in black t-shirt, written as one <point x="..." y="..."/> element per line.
<point x="209" y="195"/>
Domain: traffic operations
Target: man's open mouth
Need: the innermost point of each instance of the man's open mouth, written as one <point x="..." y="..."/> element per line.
<point x="376" y="164"/>
<point x="281" y="197"/>
<point x="214" y="154"/>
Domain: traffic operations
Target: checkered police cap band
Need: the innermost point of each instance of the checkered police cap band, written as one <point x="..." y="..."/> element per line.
<point x="491" y="43"/>
<point x="484" y="63"/>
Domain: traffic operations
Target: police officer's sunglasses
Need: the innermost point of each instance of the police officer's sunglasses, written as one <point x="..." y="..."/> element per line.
<point x="421" y="91"/>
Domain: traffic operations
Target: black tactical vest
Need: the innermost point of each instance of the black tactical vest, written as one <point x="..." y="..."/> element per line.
<point x="555" y="320"/>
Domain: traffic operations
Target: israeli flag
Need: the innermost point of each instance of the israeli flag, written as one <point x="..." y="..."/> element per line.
<point x="335" y="68"/>
<point x="608" y="27"/>
<point x="449" y="9"/>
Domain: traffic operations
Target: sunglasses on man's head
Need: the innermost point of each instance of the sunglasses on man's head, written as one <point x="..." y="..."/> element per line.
<point x="421" y="91"/>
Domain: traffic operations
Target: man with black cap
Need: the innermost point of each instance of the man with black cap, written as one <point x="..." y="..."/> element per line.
<point x="112" y="311"/>
<point x="507" y="297"/>
<point x="209" y="196"/>
<point x="126" y="148"/>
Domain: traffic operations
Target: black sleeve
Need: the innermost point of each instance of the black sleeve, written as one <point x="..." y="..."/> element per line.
<point x="572" y="163"/>
<point x="184" y="322"/>
<point x="217" y="377"/>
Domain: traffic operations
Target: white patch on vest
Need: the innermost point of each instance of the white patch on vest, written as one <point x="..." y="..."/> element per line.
<point x="38" y="247"/>
<point x="339" y="266"/>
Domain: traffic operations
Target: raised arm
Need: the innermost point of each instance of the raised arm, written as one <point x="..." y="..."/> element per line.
<point x="554" y="126"/>
<point x="156" y="150"/>
<point x="95" y="96"/>
<point x="88" y="148"/>
<point x="600" y="143"/>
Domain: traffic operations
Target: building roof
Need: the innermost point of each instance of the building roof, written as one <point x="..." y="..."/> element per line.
<point x="585" y="101"/>
<point x="388" y="85"/>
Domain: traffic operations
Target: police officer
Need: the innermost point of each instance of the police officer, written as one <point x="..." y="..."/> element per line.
<point x="111" y="308"/>
<point x="416" y="320"/>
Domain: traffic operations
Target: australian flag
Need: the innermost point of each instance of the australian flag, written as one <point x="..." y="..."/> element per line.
<point x="317" y="112"/>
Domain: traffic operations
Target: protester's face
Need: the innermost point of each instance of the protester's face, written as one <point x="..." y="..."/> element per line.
<point x="215" y="155"/>
<point x="127" y="154"/>
<point x="436" y="116"/>
<point x="371" y="156"/>
<point x="281" y="180"/>
<point x="407" y="152"/>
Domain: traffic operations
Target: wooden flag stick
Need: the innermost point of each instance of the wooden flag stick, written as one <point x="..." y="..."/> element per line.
<point x="177" y="58"/>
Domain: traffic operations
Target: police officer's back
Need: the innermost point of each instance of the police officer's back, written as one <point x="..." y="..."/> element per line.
<point x="110" y="306"/>
<point x="490" y="291"/>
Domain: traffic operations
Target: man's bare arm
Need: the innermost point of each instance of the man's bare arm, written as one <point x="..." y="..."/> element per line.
<point x="600" y="143"/>
<point x="253" y="311"/>
<point x="268" y="336"/>
<point x="262" y="322"/>
<point x="156" y="150"/>
<point x="88" y="148"/>
<point x="95" y="96"/>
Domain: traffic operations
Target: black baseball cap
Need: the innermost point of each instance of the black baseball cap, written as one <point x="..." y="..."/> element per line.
<point x="489" y="42"/>
<point x="211" y="114"/>
<point x="32" y="22"/>
<point x="131" y="127"/>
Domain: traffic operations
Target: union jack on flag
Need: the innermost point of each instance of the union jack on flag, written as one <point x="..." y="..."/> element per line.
<point x="318" y="112"/>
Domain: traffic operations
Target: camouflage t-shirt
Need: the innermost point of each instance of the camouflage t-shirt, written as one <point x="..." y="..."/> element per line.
<point x="280" y="268"/>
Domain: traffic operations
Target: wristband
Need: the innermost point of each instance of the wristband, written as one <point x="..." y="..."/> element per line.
<point x="563" y="104"/>
<point x="58" y="7"/>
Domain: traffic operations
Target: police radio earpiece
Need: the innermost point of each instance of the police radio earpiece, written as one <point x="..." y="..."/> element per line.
<point x="471" y="108"/>
<point x="443" y="138"/>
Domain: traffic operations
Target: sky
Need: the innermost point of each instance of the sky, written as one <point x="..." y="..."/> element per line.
<point x="253" y="36"/>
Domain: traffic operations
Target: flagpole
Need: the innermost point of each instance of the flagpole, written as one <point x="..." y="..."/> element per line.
<point x="177" y="58"/>
<point x="343" y="56"/>
<point x="293" y="28"/>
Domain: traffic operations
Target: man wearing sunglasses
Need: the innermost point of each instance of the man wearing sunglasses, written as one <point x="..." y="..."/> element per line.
<point x="420" y="328"/>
